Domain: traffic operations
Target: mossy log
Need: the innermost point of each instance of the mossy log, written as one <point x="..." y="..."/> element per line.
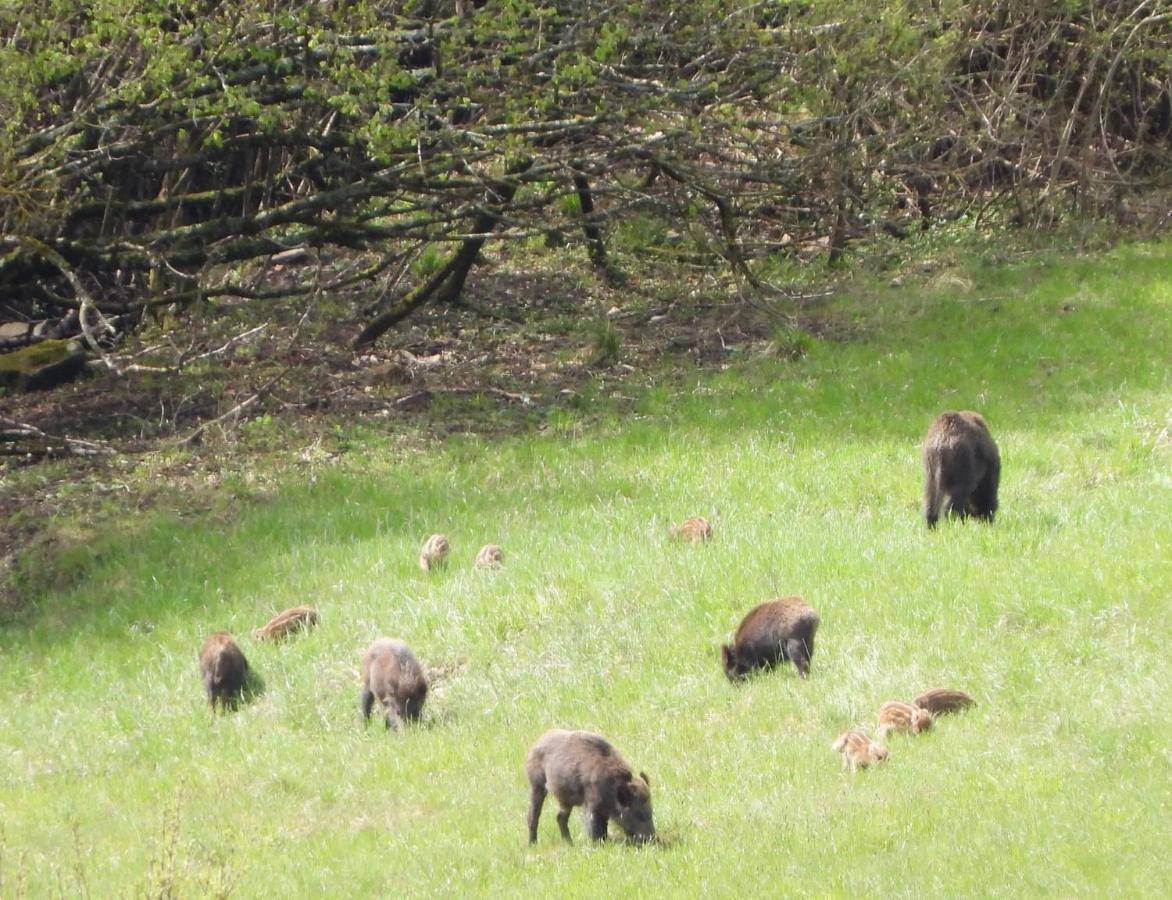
<point x="43" y="365"/>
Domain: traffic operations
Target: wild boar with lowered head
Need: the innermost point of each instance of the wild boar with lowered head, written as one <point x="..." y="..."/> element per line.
<point x="772" y="633"/>
<point x="859" y="751"/>
<point x="434" y="553"/>
<point x="583" y="769"/>
<point x="224" y="670"/>
<point x="962" y="468"/>
<point x="282" y="625"/>
<point x="939" y="701"/>
<point x="894" y="715"/>
<point x="392" y="674"/>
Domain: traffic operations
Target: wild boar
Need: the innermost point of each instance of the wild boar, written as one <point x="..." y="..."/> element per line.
<point x="859" y="751"/>
<point x="490" y="557"/>
<point x="694" y="530"/>
<point x="962" y="468"/>
<point x="897" y="716"/>
<point x="224" y="670"/>
<point x="939" y="701"/>
<point x="772" y="633"/>
<point x="434" y="552"/>
<point x="392" y="674"/>
<point x="583" y="769"/>
<point x="284" y="624"/>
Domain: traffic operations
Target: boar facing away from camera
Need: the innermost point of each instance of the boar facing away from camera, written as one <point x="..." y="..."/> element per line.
<point x="392" y="675"/>
<point x="772" y="633"/>
<point x="583" y="769"/>
<point x="962" y="468"/>
<point x="224" y="670"/>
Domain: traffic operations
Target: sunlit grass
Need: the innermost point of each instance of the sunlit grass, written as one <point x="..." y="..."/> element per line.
<point x="115" y="781"/>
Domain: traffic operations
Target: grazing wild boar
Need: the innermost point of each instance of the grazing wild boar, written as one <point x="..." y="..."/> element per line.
<point x="490" y="557"/>
<point x="583" y="769"/>
<point x="284" y="624"/>
<point x="434" y="552"/>
<point x="962" y="468"/>
<point x="224" y="670"/>
<point x="859" y="751"/>
<point x="693" y="530"/>
<point x="897" y="716"/>
<point x="392" y="674"/>
<point x="939" y="701"/>
<point x="772" y="633"/>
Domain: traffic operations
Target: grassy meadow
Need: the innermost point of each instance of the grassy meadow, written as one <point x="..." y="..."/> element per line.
<point x="115" y="781"/>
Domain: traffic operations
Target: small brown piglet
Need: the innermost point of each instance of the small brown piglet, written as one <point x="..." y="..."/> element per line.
<point x="583" y="769"/>
<point x="897" y="716"/>
<point x="392" y="674"/>
<point x="943" y="700"/>
<point x="224" y="670"/>
<point x="490" y="557"/>
<point x="434" y="552"/>
<point x="284" y="624"/>
<point x="859" y="751"/>
<point x="693" y="530"/>
<point x="772" y="633"/>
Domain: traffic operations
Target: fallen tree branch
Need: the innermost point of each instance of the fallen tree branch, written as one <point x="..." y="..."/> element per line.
<point x="231" y="342"/>
<point x="523" y="399"/>
<point x="54" y="445"/>
<point x="235" y="411"/>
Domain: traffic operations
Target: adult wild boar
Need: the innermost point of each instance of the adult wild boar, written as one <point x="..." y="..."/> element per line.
<point x="772" y="633"/>
<point x="583" y="769"/>
<point x="962" y="468"/>
<point x="392" y="674"/>
<point x="224" y="670"/>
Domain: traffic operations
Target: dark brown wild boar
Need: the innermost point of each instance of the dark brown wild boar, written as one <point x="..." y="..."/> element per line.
<point x="284" y="624"/>
<point x="583" y="769"/>
<point x="392" y="674"/>
<point x="224" y="670"/>
<point x="962" y="468"/>
<point x="772" y="633"/>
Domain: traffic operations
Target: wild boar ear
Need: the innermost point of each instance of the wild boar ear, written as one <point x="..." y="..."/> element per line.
<point x="646" y="780"/>
<point x="726" y="656"/>
<point x="623" y="791"/>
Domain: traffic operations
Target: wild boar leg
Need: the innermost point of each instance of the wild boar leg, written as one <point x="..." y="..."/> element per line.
<point x="564" y="823"/>
<point x="596" y="824"/>
<point x="797" y="650"/>
<point x="536" y="801"/>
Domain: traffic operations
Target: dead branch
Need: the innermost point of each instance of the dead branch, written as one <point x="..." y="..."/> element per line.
<point x="50" y="445"/>
<point x="235" y="412"/>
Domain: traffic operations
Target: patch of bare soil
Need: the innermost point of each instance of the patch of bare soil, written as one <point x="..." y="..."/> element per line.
<point x="520" y="344"/>
<point x="532" y="340"/>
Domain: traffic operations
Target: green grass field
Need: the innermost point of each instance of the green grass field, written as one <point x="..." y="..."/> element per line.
<point x="115" y="781"/>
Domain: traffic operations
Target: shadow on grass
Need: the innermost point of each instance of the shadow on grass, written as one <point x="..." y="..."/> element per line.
<point x="251" y="691"/>
<point x="1028" y="360"/>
